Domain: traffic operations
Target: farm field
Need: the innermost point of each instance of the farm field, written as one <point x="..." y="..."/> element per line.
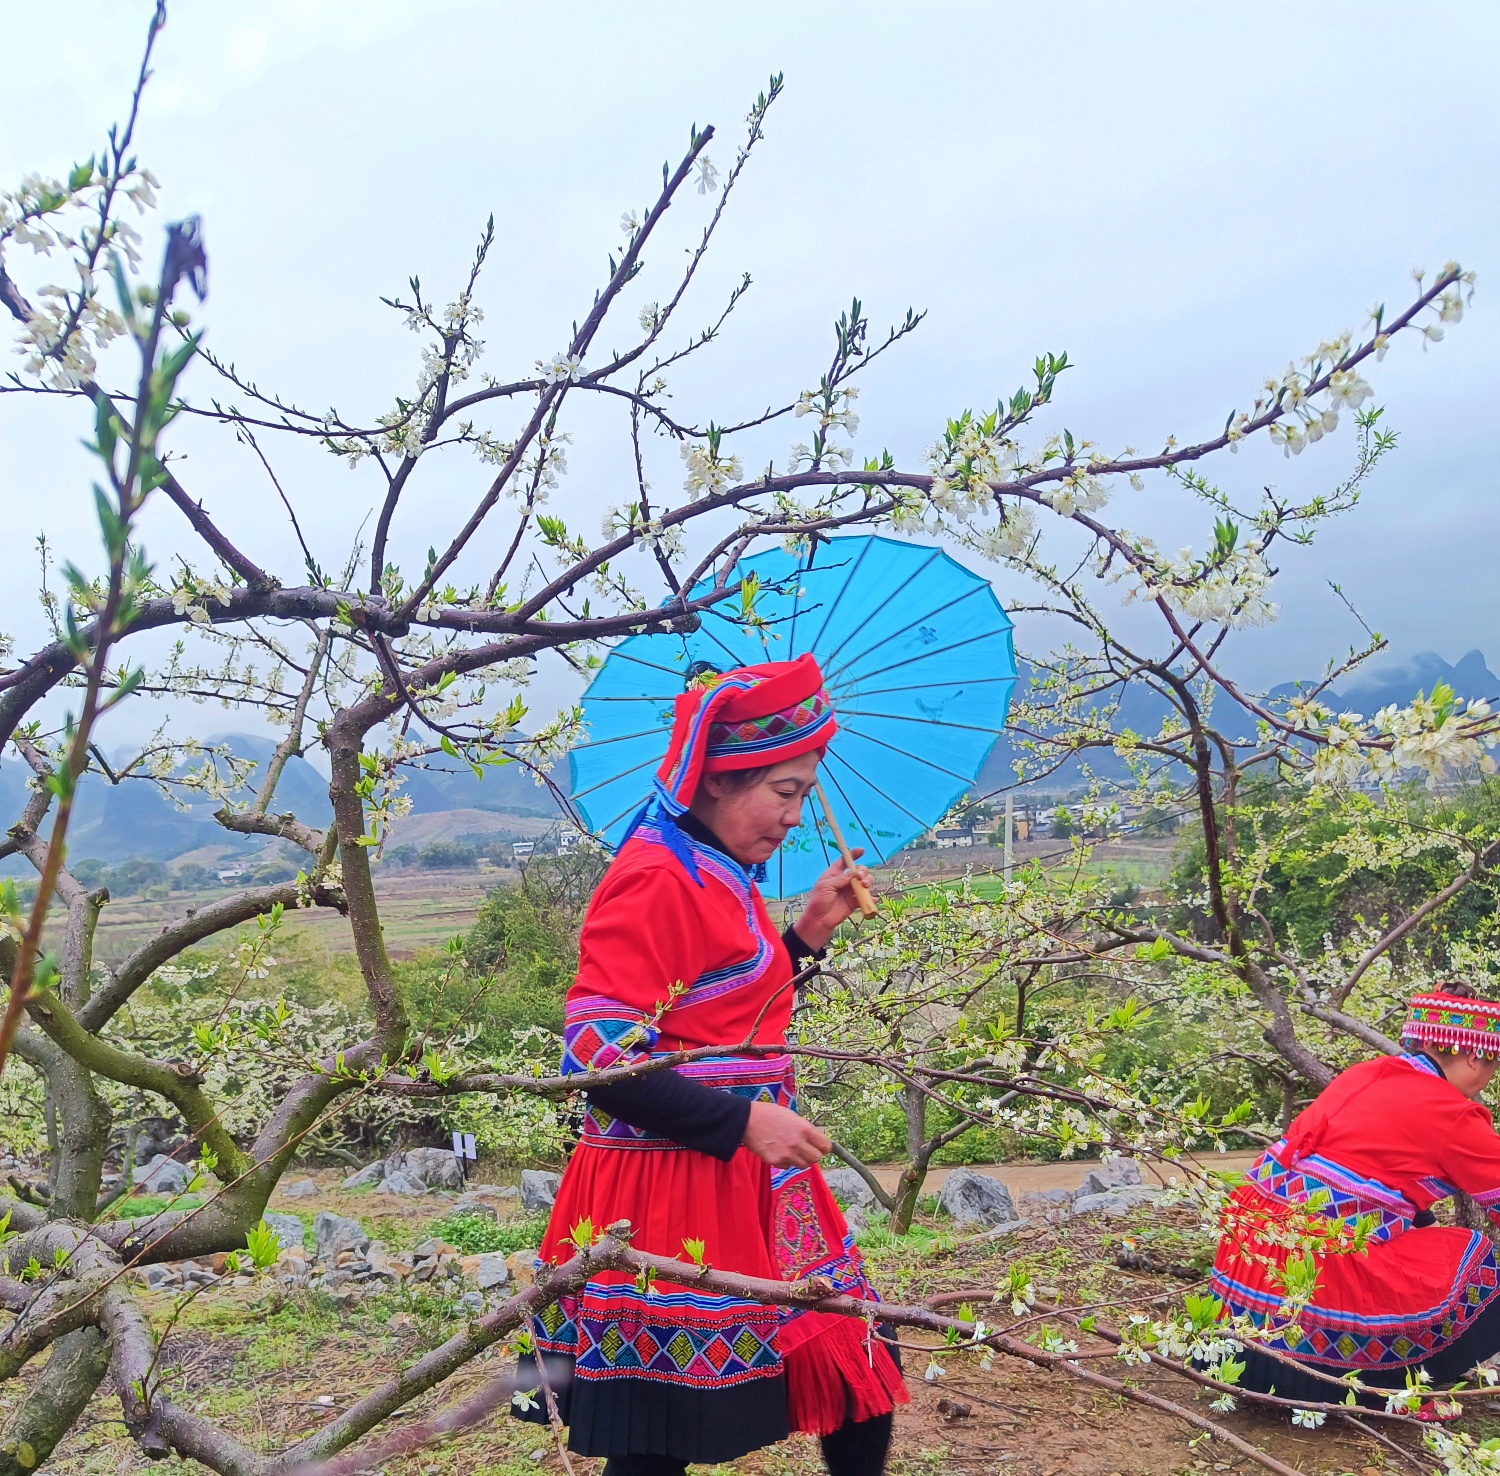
<point x="422" y="909"/>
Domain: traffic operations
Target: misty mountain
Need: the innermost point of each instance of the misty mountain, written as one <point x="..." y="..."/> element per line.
<point x="1381" y="685"/>
<point x="112" y="822"/>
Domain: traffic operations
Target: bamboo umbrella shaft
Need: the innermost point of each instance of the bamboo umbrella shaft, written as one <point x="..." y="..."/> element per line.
<point x="861" y="891"/>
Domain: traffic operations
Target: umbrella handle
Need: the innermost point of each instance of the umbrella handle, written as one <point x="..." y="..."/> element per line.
<point x="862" y="895"/>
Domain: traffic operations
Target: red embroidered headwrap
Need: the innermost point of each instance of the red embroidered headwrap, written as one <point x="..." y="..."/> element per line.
<point x="748" y="717"/>
<point x="1440" y="1021"/>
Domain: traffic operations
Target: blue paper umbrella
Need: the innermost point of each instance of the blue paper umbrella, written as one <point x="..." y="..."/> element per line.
<point x="918" y="659"/>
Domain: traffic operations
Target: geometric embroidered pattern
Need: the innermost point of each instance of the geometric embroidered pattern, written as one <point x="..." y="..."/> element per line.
<point x="1319" y="1186"/>
<point x="680" y="1338"/>
<point x="774" y="731"/>
<point x="802" y="1250"/>
<point x="599" y="1033"/>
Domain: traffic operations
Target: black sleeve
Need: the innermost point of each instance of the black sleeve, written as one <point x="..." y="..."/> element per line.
<point x="684" y="1110"/>
<point x="679" y="1108"/>
<point x="801" y="954"/>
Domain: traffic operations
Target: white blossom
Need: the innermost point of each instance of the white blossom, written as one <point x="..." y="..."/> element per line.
<point x="1345" y="387"/>
<point x="560" y="368"/>
<point x="707" y="472"/>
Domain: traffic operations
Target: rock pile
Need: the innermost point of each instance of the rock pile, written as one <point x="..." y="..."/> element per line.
<point x="420" y="1171"/>
<point x="348" y="1265"/>
<point x="976" y="1200"/>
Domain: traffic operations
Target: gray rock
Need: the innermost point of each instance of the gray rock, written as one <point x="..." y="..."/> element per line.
<point x="162" y="1175"/>
<point x="468" y="1205"/>
<point x="494" y="1191"/>
<point x="976" y="1199"/>
<point x="848" y="1188"/>
<point x="492" y="1271"/>
<point x="472" y="1302"/>
<point x="300" y="1189"/>
<point x="1118" y="1173"/>
<point x="155" y="1136"/>
<point x="335" y="1233"/>
<point x="1115" y="1201"/>
<point x="159" y="1276"/>
<point x="288" y="1229"/>
<point x="1050" y="1205"/>
<point x="538" y="1190"/>
<point x="433" y="1168"/>
<point x="371" y="1173"/>
<point x="854" y="1218"/>
<point x="400" y="1182"/>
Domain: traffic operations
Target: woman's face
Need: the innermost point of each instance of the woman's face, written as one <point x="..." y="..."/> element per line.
<point x="753" y="821"/>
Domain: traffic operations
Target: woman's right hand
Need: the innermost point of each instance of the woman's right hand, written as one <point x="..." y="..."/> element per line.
<point x="782" y="1139"/>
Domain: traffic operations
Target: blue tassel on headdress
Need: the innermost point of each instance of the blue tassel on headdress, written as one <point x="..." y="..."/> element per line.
<point x="665" y="809"/>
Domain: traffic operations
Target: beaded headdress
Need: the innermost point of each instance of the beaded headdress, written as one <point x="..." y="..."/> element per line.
<point x="1454" y="1024"/>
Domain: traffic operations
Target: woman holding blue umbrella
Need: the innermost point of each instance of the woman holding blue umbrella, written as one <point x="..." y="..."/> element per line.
<point x="678" y="952"/>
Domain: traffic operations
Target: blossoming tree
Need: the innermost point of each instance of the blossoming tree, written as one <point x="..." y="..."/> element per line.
<point x="398" y="653"/>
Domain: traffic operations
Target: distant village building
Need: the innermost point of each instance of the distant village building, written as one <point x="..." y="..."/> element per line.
<point x="947" y="837"/>
<point x="230" y="874"/>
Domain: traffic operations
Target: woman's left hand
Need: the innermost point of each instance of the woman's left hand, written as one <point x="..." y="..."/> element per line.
<point x="831" y="900"/>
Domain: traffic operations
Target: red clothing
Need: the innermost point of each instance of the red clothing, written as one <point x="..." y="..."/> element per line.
<point x="670" y="961"/>
<point x="1382" y="1143"/>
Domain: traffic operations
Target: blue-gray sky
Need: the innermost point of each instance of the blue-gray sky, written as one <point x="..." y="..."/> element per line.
<point x="1182" y="196"/>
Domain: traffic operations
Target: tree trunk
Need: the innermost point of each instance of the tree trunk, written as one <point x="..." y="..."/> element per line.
<point x="74" y="1367"/>
<point x="909" y="1187"/>
<point x="84" y="1122"/>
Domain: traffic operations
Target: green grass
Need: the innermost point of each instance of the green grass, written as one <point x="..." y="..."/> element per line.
<point x="138" y="1206"/>
<point x="473" y="1235"/>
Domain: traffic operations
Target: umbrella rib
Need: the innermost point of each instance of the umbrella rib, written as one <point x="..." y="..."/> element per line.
<point x="669" y="696"/>
<point x="605" y="783"/>
<point x="972" y="681"/>
<point x="951" y="773"/>
<point x="858" y="820"/>
<point x="940" y="651"/>
<point x="916" y="574"/>
<point x="913" y="623"/>
<point x="838" y="598"/>
<point x="732" y="655"/>
<point x="623" y="655"/>
<point x="633" y="805"/>
<point x="625" y="737"/>
<point x="889" y="799"/>
<point x="906" y="717"/>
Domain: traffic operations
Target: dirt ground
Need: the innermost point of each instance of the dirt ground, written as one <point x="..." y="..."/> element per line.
<point x="273" y="1365"/>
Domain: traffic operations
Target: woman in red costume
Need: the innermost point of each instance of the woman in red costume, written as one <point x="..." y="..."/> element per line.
<point x="678" y="952"/>
<point x="1359" y="1172"/>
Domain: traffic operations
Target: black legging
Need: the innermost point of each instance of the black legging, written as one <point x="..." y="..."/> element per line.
<point x="852" y="1450"/>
